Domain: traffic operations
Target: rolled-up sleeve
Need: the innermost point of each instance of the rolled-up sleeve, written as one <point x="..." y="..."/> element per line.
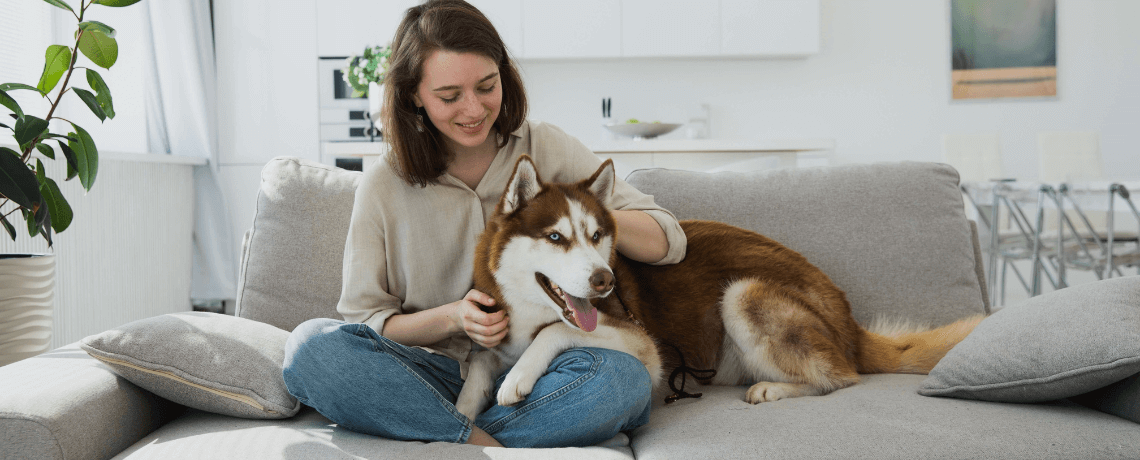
<point x="364" y="297"/>
<point x="563" y="158"/>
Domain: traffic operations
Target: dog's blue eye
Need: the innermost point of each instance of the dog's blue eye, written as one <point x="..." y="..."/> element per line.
<point x="597" y="235"/>
<point x="555" y="237"/>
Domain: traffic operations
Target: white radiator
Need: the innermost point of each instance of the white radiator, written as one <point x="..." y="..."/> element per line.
<point x="127" y="253"/>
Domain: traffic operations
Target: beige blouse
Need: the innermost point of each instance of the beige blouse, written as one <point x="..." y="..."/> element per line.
<point x="411" y="248"/>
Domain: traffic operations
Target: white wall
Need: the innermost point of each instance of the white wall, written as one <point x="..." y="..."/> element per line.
<point x="880" y="87"/>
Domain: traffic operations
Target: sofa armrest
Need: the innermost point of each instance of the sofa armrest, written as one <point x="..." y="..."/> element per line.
<point x="65" y="404"/>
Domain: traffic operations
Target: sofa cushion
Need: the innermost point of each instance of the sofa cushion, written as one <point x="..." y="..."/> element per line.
<point x="207" y="361"/>
<point x="894" y="236"/>
<point x="291" y="264"/>
<point x="309" y="435"/>
<point x="881" y="417"/>
<point x="1052" y="346"/>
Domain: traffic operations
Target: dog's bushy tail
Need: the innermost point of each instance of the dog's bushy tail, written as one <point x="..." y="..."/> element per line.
<point x="907" y="349"/>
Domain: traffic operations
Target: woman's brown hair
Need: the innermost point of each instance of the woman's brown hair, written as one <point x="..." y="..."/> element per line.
<point x="416" y="148"/>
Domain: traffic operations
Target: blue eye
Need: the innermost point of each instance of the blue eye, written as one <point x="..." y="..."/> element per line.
<point x="597" y="235"/>
<point x="555" y="237"/>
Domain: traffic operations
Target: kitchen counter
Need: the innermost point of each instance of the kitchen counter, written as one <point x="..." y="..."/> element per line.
<point x="713" y="145"/>
<point x="710" y="155"/>
<point x="714" y="155"/>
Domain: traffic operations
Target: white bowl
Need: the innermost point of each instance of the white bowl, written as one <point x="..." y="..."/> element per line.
<point x="642" y="130"/>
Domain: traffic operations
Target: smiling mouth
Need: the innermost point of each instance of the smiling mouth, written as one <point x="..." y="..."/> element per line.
<point x="577" y="310"/>
<point x="472" y="125"/>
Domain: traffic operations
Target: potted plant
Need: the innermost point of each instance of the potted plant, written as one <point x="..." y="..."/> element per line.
<point x="26" y="190"/>
<point x="365" y="74"/>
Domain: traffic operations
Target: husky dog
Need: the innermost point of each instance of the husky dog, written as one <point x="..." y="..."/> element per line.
<point x="740" y="303"/>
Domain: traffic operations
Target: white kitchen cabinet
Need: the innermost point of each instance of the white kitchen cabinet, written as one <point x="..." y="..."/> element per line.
<point x="563" y="29"/>
<point x="556" y="29"/>
<point x="769" y="27"/>
<point x="345" y="27"/>
<point x="506" y="15"/>
<point x="669" y="28"/>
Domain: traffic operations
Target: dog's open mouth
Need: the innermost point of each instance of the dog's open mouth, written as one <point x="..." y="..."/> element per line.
<point x="575" y="309"/>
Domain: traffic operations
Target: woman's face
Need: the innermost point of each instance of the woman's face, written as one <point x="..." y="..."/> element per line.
<point x="462" y="96"/>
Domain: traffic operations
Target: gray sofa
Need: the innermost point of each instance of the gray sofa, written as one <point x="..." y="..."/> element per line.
<point x="893" y="236"/>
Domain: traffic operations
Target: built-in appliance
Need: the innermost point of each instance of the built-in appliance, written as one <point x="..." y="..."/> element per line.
<point x="343" y="118"/>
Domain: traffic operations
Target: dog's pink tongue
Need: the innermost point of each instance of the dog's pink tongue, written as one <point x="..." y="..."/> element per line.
<point x="585" y="313"/>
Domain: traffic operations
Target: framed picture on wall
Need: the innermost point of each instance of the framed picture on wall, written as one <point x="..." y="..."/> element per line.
<point x="1003" y="49"/>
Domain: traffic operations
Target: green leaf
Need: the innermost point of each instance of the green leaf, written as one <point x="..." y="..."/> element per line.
<point x="91" y="102"/>
<point x="86" y="157"/>
<point x="56" y="136"/>
<point x="102" y="92"/>
<point x="28" y="128"/>
<point x="8" y="226"/>
<point x="72" y="162"/>
<point x="41" y="174"/>
<point x="18" y="182"/>
<point x="12" y="86"/>
<point x="46" y="150"/>
<point x="57" y="59"/>
<point x="58" y="208"/>
<point x="116" y="3"/>
<point x="43" y="223"/>
<point x="99" y="48"/>
<point x="99" y="26"/>
<point x="61" y="4"/>
<point x="30" y="217"/>
<point x="11" y="104"/>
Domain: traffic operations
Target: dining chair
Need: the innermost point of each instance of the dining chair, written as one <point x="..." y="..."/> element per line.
<point x="1095" y="243"/>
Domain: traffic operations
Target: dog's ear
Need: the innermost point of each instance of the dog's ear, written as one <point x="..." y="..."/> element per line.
<point x="523" y="186"/>
<point x="602" y="182"/>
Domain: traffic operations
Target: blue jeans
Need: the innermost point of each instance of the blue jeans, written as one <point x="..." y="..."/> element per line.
<point x="370" y="384"/>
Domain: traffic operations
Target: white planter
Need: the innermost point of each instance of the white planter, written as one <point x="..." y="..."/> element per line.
<point x="26" y="286"/>
<point x="375" y="101"/>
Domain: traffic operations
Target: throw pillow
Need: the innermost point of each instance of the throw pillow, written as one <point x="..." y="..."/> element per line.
<point x="208" y="361"/>
<point x="1052" y="346"/>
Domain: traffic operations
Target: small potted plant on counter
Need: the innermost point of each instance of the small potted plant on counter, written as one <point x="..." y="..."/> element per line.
<point x="365" y="74"/>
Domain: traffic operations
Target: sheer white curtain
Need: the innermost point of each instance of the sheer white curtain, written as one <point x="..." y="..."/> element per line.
<point x="181" y="89"/>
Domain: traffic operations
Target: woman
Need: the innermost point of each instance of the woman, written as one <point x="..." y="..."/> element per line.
<point x="455" y="123"/>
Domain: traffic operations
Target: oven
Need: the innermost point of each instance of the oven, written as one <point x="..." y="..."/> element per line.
<point x="343" y="118"/>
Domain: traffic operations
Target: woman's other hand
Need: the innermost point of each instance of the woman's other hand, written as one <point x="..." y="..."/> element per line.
<point x="486" y="329"/>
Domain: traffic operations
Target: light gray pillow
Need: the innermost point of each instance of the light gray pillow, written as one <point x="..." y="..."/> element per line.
<point x="291" y="262"/>
<point x="208" y="361"/>
<point x="1052" y="346"/>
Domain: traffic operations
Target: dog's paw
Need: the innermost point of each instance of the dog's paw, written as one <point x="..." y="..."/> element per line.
<point x="770" y="391"/>
<point x="516" y="387"/>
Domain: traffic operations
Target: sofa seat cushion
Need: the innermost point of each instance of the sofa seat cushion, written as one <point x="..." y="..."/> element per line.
<point x="893" y="236"/>
<point x="881" y="417"/>
<point x="198" y="435"/>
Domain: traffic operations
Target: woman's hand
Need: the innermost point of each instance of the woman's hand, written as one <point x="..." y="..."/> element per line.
<point x="486" y="329"/>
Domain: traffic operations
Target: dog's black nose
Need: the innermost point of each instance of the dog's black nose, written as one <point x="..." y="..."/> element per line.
<point x="602" y="280"/>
